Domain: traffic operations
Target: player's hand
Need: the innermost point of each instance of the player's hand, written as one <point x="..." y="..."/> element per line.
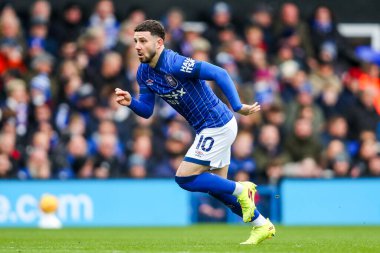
<point x="249" y="109"/>
<point x="123" y="97"/>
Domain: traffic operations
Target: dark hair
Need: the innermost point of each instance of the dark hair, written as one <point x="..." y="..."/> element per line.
<point x="152" y="26"/>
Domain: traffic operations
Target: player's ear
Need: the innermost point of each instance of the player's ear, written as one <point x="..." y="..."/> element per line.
<point x="160" y="42"/>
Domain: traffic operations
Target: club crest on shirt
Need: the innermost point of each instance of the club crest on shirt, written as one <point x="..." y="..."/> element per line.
<point x="149" y="82"/>
<point x="171" y="81"/>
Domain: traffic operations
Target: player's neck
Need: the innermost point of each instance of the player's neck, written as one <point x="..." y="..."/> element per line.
<point x="154" y="61"/>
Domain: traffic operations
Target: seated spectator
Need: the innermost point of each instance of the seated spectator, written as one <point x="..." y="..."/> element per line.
<point x="269" y="148"/>
<point x="7" y="171"/>
<point x="9" y="148"/>
<point x="327" y="42"/>
<point x="362" y="115"/>
<point x="290" y="29"/>
<point x="243" y="166"/>
<point x="106" y="162"/>
<point x="304" y="106"/>
<point x="341" y="166"/>
<point x="16" y="106"/>
<point x="374" y="166"/>
<point x="137" y="167"/>
<point x="324" y="78"/>
<point x="77" y="157"/>
<point x="42" y="86"/>
<point x="370" y="77"/>
<point x="368" y="150"/>
<point x="274" y="171"/>
<point x="209" y="209"/>
<point x="301" y="143"/>
<point x="104" y="17"/>
<point x="37" y="166"/>
<point x="39" y="40"/>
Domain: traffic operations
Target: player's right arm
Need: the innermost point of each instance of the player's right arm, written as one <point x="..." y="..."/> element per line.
<point x="143" y="106"/>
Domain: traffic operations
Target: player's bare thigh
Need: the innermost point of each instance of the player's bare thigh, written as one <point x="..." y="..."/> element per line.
<point x="189" y="169"/>
<point x="221" y="171"/>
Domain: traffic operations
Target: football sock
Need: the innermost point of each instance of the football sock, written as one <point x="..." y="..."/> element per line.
<point x="207" y="183"/>
<point x="238" y="189"/>
<point x="258" y="220"/>
<point x="232" y="203"/>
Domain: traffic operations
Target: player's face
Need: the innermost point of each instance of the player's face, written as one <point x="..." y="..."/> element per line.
<point x="146" y="46"/>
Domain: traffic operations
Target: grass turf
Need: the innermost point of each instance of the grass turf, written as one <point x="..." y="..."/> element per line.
<point x="199" y="238"/>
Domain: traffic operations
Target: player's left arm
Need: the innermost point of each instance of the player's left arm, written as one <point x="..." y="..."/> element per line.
<point x="208" y="71"/>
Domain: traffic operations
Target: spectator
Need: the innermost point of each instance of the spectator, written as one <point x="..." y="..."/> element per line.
<point x="341" y="166"/>
<point x="362" y="115"/>
<point x="221" y="17"/>
<point x="40" y="9"/>
<point x="324" y="78"/>
<point x="137" y="167"/>
<point x="77" y="157"/>
<point x="261" y="16"/>
<point x="326" y="40"/>
<point x="374" y="167"/>
<point x="269" y="148"/>
<point x="209" y="209"/>
<point x="12" y="44"/>
<point x="368" y="151"/>
<point x="39" y="41"/>
<point x="38" y="165"/>
<point x="7" y="171"/>
<point x="69" y="28"/>
<point x="16" y="107"/>
<point x="13" y="154"/>
<point x="291" y="30"/>
<point x="301" y="143"/>
<point x="243" y="166"/>
<point x="305" y="107"/>
<point x="42" y="86"/>
<point x="104" y="18"/>
<point x="106" y="162"/>
<point x="174" y="20"/>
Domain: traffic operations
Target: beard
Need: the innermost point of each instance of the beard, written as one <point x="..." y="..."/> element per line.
<point x="148" y="58"/>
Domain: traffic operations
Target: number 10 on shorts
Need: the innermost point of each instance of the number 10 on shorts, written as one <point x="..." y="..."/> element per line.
<point x="205" y="143"/>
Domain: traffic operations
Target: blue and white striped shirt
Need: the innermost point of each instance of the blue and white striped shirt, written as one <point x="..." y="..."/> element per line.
<point x="176" y="79"/>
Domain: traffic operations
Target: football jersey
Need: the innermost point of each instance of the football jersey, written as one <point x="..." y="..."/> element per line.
<point x="175" y="79"/>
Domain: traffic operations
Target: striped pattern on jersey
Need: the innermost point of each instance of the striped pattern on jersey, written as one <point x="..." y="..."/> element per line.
<point x="175" y="79"/>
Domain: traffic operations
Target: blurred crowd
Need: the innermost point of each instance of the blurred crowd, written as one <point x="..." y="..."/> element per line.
<point x="320" y="102"/>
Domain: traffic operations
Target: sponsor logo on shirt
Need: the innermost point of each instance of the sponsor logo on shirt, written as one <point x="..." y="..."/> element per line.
<point x="172" y="98"/>
<point x="171" y="81"/>
<point x="198" y="153"/>
<point x="149" y="82"/>
<point x="188" y="65"/>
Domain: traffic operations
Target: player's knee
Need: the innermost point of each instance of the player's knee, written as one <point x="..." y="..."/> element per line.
<point x="186" y="183"/>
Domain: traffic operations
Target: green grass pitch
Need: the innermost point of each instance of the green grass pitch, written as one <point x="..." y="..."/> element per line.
<point x="199" y="238"/>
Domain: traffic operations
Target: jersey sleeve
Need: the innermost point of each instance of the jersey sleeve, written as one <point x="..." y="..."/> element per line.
<point x="144" y="105"/>
<point x="185" y="67"/>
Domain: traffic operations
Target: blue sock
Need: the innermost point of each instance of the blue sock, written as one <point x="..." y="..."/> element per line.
<point x="207" y="183"/>
<point x="231" y="202"/>
<point x="256" y="214"/>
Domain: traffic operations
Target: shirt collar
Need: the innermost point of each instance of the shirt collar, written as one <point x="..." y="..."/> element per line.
<point x="160" y="60"/>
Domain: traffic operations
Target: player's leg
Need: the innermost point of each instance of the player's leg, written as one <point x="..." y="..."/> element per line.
<point x="262" y="228"/>
<point x="196" y="178"/>
<point x="232" y="201"/>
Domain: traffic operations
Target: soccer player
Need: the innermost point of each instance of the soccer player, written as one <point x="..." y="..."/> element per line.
<point x="180" y="81"/>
